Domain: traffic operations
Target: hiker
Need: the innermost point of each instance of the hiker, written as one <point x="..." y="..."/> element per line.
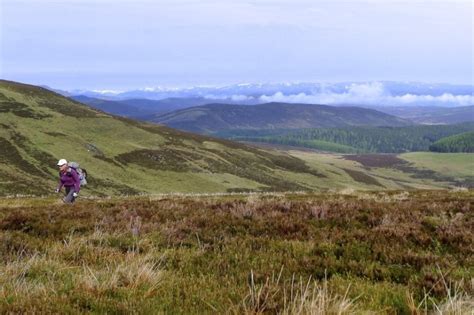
<point x="69" y="178"/>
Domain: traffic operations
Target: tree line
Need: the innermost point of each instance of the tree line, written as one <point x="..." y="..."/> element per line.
<point x="366" y="139"/>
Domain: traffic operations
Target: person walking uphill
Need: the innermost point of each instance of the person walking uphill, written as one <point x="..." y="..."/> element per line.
<point x="68" y="178"/>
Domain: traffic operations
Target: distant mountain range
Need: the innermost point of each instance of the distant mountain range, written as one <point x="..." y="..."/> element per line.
<point x="138" y="108"/>
<point x="152" y="110"/>
<point x="121" y="108"/>
<point x="430" y="114"/>
<point x="345" y="93"/>
<point x="217" y="117"/>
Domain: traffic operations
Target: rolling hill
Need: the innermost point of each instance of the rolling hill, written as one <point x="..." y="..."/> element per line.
<point x="142" y="109"/>
<point x="463" y="142"/>
<point x="122" y="156"/>
<point x="218" y="117"/>
<point x="431" y="115"/>
<point x="119" y="108"/>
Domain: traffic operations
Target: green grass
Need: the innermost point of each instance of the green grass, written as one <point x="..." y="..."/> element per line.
<point x="271" y="253"/>
<point x="460" y="165"/>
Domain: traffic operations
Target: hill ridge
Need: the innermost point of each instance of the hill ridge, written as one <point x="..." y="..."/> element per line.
<point x="220" y="116"/>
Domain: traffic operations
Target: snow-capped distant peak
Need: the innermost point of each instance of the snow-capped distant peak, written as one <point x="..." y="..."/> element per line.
<point x="104" y="92"/>
<point x="158" y="89"/>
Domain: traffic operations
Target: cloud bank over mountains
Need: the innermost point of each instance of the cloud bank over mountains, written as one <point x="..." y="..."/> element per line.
<point x="350" y="93"/>
<point x="373" y="93"/>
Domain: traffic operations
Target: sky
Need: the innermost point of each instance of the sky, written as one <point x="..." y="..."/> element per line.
<point x="124" y="44"/>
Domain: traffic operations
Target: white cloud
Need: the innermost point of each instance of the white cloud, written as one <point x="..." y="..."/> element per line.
<point x="240" y="98"/>
<point x="235" y="97"/>
<point x="444" y="98"/>
<point x="369" y="94"/>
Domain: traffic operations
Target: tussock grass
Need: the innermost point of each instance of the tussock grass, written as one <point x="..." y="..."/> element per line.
<point x="381" y="252"/>
<point x="297" y="297"/>
<point x="81" y="269"/>
<point x="455" y="302"/>
<point x="313" y="299"/>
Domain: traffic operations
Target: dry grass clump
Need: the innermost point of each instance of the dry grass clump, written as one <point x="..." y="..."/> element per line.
<point x="311" y="298"/>
<point x="456" y="301"/>
<point x="132" y="272"/>
<point x="294" y="298"/>
<point x="456" y="189"/>
<point x="28" y="276"/>
<point x="81" y="269"/>
<point x="385" y="197"/>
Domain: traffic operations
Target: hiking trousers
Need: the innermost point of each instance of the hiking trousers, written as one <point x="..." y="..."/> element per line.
<point x="69" y="198"/>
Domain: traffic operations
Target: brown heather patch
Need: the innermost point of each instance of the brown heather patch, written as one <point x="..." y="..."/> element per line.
<point x="361" y="177"/>
<point x="392" y="161"/>
<point x="196" y="254"/>
<point x="171" y="159"/>
<point x="20" y="110"/>
<point x="55" y="134"/>
<point x="11" y="156"/>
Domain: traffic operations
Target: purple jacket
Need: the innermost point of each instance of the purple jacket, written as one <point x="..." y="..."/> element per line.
<point x="69" y="179"/>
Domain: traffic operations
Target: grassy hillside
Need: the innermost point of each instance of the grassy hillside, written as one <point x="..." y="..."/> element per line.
<point x="219" y="117"/>
<point x="463" y="142"/>
<point x="366" y="253"/>
<point x="37" y="127"/>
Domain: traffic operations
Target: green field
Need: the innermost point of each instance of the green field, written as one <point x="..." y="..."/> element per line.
<point x="417" y="170"/>
<point x="460" y="165"/>
<point x="393" y="252"/>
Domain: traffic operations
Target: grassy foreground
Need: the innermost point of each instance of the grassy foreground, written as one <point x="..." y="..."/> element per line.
<point x="384" y="252"/>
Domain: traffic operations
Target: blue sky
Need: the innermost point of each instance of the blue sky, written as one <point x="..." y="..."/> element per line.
<point x="122" y="44"/>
